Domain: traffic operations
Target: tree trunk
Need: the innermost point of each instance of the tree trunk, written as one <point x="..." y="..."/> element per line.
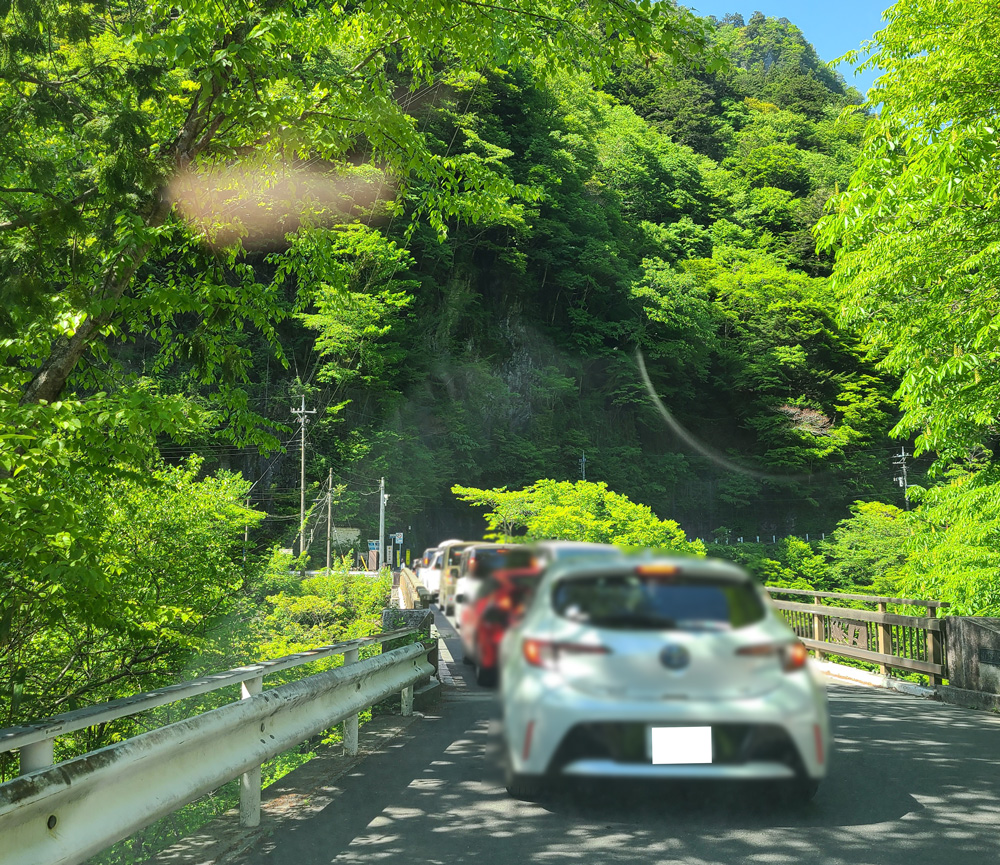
<point x="50" y="379"/>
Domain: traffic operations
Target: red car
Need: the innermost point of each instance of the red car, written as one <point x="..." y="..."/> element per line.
<point x="499" y="603"/>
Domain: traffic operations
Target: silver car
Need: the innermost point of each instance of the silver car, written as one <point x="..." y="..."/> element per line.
<point x="659" y="668"/>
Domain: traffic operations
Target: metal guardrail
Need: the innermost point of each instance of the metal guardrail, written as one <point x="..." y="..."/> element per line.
<point x="893" y="641"/>
<point x="412" y="594"/>
<point x="68" y="812"/>
<point x="35" y="740"/>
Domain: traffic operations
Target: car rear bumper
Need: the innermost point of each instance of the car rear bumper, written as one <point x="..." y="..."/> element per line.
<point x="782" y="734"/>
<point x="754" y="771"/>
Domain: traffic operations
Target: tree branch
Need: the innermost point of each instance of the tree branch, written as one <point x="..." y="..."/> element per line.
<point x="30" y="218"/>
<point x="49" y="381"/>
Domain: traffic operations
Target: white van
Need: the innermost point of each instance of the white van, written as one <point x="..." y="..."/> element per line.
<point x="430" y="574"/>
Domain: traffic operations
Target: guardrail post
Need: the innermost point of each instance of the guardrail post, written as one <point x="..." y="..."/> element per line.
<point x="406" y="701"/>
<point x="37" y="755"/>
<point x="250" y="781"/>
<point x="351" y="723"/>
<point x="884" y="638"/>
<point x="934" y="653"/>
<point x="818" y="631"/>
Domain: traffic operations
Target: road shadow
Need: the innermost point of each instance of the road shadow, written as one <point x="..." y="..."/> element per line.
<point x="911" y="783"/>
<point x="845" y="798"/>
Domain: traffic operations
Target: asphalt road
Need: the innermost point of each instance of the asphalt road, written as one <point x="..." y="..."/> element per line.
<point x="911" y="782"/>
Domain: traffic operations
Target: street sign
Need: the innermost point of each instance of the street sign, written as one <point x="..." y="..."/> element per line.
<point x="372" y="545"/>
<point x="399" y="537"/>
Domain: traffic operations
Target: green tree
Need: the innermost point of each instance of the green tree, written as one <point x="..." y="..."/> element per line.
<point x="953" y="554"/>
<point x="360" y="307"/>
<point x="170" y="572"/>
<point x="323" y="610"/>
<point x="775" y="165"/>
<point x="580" y="511"/>
<point x="124" y="115"/>
<point x="172" y="173"/>
<point x="916" y="232"/>
<point x="868" y="548"/>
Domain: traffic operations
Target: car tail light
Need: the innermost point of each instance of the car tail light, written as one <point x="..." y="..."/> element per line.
<point x="793" y="655"/>
<point x="542" y="653"/>
<point x="538" y="653"/>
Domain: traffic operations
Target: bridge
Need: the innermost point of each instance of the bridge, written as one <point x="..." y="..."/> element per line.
<point x="912" y="780"/>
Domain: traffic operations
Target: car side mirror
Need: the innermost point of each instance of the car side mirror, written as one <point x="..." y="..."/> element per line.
<point x="453" y="572"/>
<point x="460" y="599"/>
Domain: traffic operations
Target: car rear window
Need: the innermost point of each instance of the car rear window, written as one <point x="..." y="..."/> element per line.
<point x="584" y="552"/>
<point x="649" y="602"/>
<point x="519" y="587"/>
<point x="490" y="560"/>
<point x="454" y="554"/>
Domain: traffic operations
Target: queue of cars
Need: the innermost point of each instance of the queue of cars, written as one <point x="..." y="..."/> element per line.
<point x="438" y="570"/>
<point x="637" y="666"/>
<point x="428" y="570"/>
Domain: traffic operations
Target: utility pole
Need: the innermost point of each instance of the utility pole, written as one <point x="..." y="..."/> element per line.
<point x="300" y="414"/>
<point x="246" y="534"/>
<point x="900" y="461"/>
<point x="583" y="466"/>
<point x="329" y="521"/>
<point x="381" y="524"/>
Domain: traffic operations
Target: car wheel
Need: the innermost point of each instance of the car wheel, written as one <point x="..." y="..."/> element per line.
<point x="799" y="792"/>
<point x="526" y="787"/>
<point x="485" y="676"/>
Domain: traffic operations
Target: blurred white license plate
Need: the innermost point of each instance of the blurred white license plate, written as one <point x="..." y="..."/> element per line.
<point x="681" y="745"/>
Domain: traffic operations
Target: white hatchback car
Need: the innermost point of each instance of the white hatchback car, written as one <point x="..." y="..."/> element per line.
<point x="659" y="668"/>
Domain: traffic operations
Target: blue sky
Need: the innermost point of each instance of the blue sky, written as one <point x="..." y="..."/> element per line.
<point x="833" y="26"/>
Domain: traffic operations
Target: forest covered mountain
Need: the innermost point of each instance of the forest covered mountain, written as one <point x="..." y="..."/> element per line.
<point x="667" y="213"/>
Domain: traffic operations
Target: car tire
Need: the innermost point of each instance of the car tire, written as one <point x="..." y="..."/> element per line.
<point x="526" y="787"/>
<point x="485" y="677"/>
<point x="467" y="659"/>
<point x="800" y="792"/>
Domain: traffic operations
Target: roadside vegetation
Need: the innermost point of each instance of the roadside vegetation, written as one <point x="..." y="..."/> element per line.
<point x="262" y="610"/>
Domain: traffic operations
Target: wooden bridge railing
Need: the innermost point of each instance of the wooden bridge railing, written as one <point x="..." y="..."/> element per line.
<point x="893" y="641"/>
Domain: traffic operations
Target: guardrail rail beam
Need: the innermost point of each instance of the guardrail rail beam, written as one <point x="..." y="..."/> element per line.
<point x="65" y="813"/>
